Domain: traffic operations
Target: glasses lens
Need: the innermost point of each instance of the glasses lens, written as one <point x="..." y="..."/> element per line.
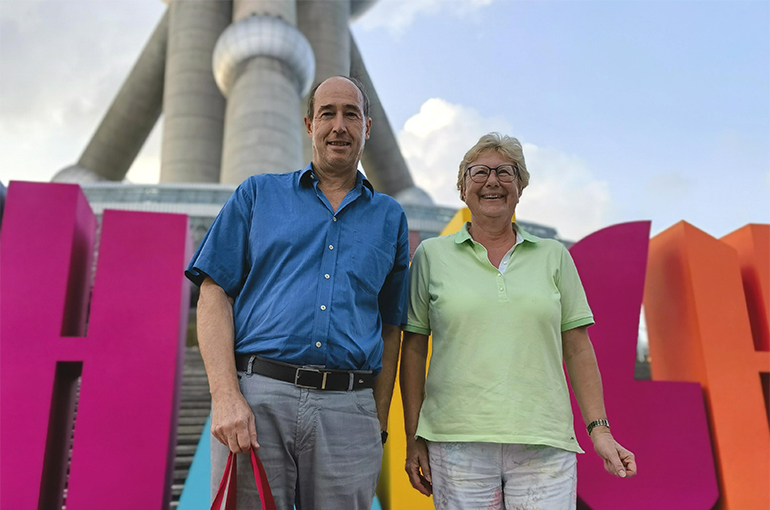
<point x="479" y="173"/>
<point x="505" y="173"/>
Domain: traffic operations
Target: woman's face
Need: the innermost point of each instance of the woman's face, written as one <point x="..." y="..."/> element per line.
<point x="491" y="199"/>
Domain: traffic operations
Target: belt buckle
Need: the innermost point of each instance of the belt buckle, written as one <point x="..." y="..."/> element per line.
<point x="316" y="370"/>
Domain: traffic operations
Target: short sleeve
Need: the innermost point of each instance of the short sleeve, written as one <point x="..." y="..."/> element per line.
<point x="575" y="311"/>
<point x="223" y="253"/>
<point x="394" y="293"/>
<point x="419" y="296"/>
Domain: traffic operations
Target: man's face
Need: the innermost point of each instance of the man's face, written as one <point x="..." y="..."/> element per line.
<point x="338" y="127"/>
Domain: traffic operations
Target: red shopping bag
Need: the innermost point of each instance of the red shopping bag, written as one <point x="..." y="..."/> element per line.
<point x="229" y="478"/>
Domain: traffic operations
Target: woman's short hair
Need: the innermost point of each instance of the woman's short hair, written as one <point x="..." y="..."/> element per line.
<point x="507" y="146"/>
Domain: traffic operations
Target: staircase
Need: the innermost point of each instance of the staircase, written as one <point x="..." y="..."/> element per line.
<point x="193" y="412"/>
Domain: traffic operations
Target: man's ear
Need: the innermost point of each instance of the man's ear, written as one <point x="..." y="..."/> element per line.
<point x="368" y="126"/>
<point x="309" y="127"/>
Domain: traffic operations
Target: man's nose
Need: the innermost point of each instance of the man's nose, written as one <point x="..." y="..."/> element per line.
<point x="339" y="123"/>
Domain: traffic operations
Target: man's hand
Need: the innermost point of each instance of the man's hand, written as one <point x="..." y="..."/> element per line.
<point x="617" y="460"/>
<point x="232" y="423"/>
<point x="418" y="465"/>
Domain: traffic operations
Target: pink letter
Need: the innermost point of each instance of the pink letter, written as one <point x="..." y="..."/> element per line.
<point x="129" y="358"/>
<point x="663" y="423"/>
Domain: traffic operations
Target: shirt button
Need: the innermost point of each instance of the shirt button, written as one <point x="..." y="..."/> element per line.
<point x="331" y="247"/>
<point x="499" y="275"/>
<point x="326" y="276"/>
<point x="334" y="219"/>
<point x="318" y="344"/>
<point x="501" y="288"/>
<point x="323" y="307"/>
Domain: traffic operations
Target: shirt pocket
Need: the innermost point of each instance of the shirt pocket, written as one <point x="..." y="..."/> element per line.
<point x="373" y="258"/>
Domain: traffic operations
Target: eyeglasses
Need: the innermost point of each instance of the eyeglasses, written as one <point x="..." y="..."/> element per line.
<point x="480" y="173"/>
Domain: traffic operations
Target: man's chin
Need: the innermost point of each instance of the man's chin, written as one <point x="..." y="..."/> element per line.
<point x="341" y="163"/>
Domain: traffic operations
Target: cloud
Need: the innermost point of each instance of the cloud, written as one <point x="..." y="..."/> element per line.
<point x="562" y="192"/>
<point x="61" y="64"/>
<point x="396" y="15"/>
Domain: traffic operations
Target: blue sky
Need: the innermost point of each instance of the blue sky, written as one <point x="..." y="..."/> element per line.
<point x="627" y="109"/>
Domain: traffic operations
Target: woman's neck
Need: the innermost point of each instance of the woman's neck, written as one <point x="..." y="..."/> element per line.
<point x="492" y="234"/>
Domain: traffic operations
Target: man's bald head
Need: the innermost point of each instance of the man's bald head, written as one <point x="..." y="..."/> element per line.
<point x="358" y="84"/>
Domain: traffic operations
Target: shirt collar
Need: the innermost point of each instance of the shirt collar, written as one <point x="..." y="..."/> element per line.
<point x="307" y="177"/>
<point x="463" y="235"/>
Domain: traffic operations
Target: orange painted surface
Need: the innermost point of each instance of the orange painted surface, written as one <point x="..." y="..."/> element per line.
<point x="699" y="330"/>
<point x="753" y="245"/>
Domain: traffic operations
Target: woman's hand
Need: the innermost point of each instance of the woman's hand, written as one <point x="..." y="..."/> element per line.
<point x="617" y="460"/>
<point x="418" y="465"/>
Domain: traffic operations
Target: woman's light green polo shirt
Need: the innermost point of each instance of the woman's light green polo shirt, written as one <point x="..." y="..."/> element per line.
<point x="496" y="369"/>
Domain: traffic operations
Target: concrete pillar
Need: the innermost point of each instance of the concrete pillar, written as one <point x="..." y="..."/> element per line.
<point x="129" y="120"/>
<point x="193" y="106"/>
<point x="263" y="65"/>
<point x="325" y="24"/>
<point x="382" y="159"/>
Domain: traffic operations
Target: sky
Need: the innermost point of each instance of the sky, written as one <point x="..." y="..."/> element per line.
<point x="627" y="109"/>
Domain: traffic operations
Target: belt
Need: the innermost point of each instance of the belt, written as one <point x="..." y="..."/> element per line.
<point x="303" y="376"/>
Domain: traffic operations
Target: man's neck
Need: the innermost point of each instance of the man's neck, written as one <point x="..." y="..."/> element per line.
<point x="335" y="183"/>
<point x="335" y="180"/>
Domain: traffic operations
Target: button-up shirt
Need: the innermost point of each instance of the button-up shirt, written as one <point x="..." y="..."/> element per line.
<point x="311" y="286"/>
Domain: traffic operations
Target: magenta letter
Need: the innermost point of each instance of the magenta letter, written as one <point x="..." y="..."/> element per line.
<point x="663" y="423"/>
<point x="129" y="360"/>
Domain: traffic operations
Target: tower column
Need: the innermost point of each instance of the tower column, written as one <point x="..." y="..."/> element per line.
<point x="129" y="120"/>
<point x="263" y="65"/>
<point x="193" y="107"/>
<point x="325" y="24"/>
<point x="382" y="159"/>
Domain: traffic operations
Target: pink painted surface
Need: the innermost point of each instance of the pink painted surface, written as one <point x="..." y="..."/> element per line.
<point x="663" y="423"/>
<point x="125" y="430"/>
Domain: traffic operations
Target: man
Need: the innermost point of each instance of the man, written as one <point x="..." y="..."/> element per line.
<point x="303" y="289"/>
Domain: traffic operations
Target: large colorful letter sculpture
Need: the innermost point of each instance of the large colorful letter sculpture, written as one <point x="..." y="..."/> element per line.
<point x="700" y="329"/>
<point x="663" y="423"/>
<point x="129" y="359"/>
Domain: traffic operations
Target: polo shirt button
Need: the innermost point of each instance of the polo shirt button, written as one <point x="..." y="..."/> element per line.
<point x="499" y="275"/>
<point x="323" y="307"/>
<point x="331" y="247"/>
<point x="318" y="344"/>
<point x="334" y="219"/>
<point x="326" y="276"/>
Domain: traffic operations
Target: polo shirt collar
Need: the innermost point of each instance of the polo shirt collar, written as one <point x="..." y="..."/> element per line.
<point x="307" y="176"/>
<point x="463" y="235"/>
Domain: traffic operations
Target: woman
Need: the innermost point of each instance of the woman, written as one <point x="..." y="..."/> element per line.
<point x="505" y="309"/>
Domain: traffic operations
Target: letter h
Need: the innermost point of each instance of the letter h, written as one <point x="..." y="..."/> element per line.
<point x="127" y="352"/>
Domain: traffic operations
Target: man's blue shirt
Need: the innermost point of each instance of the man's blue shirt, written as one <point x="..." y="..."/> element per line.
<point x="311" y="287"/>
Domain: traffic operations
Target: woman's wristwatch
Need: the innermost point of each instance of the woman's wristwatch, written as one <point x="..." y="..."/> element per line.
<point x="597" y="423"/>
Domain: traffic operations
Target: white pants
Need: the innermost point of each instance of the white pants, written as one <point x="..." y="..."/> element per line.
<point x="491" y="476"/>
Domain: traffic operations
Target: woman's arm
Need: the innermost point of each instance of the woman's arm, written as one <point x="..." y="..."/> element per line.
<point x="586" y="381"/>
<point x="414" y="356"/>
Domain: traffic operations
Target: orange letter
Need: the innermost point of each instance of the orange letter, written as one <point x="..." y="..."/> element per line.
<point x="699" y="329"/>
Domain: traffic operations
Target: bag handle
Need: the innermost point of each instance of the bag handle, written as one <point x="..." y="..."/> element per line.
<point x="229" y="479"/>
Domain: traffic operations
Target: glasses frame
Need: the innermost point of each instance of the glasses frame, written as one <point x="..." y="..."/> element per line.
<point x="515" y="176"/>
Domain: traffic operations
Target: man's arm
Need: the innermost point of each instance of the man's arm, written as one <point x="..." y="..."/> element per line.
<point x="386" y="379"/>
<point x="414" y="356"/>
<point x="232" y="420"/>
<point x="583" y="371"/>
